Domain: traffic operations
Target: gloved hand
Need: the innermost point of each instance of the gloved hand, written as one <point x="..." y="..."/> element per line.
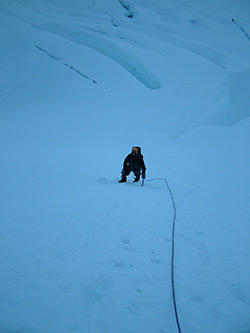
<point x="143" y="175"/>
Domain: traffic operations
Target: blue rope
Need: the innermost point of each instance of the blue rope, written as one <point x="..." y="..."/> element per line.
<point x="173" y="251"/>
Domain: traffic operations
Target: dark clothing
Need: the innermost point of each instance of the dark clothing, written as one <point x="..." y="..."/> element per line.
<point x="134" y="163"/>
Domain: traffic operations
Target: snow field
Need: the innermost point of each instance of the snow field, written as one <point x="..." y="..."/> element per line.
<point x="81" y="82"/>
<point x="54" y="241"/>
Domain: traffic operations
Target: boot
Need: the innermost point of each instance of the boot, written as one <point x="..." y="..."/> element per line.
<point x="123" y="179"/>
<point x="137" y="178"/>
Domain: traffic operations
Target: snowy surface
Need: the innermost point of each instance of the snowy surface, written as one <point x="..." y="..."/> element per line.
<point x="82" y="82"/>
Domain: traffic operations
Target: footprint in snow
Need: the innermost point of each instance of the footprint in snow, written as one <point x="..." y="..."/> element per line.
<point x="125" y="244"/>
<point x="202" y="253"/>
<point x="121" y="264"/>
<point x="156" y="260"/>
<point x="125" y="240"/>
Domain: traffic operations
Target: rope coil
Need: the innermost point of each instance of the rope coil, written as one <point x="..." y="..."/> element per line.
<point x="173" y="250"/>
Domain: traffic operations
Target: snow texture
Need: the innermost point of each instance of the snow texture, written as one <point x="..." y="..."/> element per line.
<point x="83" y="81"/>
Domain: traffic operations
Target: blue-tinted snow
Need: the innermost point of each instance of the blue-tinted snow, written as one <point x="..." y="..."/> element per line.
<point x="81" y="82"/>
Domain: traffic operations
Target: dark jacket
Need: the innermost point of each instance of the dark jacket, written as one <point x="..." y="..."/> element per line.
<point x="134" y="163"/>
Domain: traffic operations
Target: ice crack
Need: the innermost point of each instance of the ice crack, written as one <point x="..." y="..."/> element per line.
<point x="127" y="7"/>
<point x="241" y="28"/>
<point x="65" y="64"/>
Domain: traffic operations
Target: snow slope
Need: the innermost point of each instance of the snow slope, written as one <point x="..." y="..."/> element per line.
<point x="81" y="82"/>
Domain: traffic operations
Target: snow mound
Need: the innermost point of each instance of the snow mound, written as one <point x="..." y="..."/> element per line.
<point x="233" y="103"/>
